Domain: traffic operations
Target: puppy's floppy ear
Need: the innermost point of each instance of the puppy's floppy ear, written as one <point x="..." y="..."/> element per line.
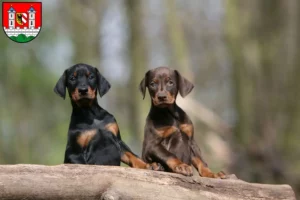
<point x="184" y="86"/>
<point x="143" y="85"/>
<point x="60" y="87"/>
<point x="102" y="84"/>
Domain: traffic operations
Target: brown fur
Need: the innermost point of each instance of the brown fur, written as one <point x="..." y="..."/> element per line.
<point x="75" y="95"/>
<point x="85" y="137"/>
<point x="91" y="93"/>
<point x="187" y="129"/>
<point x="166" y="131"/>
<point x="173" y="145"/>
<point x="173" y="162"/>
<point x="177" y="166"/>
<point x="133" y="161"/>
<point x="112" y="127"/>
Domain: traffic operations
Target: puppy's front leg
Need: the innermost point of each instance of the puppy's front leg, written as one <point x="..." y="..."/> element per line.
<point x="73" y="157"/>
<point x="129" y="158"/>
<point x="200" y="165"/>
<point x="162" y="155"/>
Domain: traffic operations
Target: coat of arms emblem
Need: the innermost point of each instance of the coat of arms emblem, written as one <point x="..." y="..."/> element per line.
<point x="22" y="21"/>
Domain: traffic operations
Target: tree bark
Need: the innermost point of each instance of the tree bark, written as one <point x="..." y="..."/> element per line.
<point x="107" y="182"/>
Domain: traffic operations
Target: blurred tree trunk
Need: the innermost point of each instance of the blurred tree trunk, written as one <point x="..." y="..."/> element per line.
<point x="83" y="19"/>
<point x="291" y="64"/>
<point x="250" y="47"/>
<point x="291" y="137"/>
<point x="4" y="88"/>
<point x="137" y="55"/>
<point x="178" y="43"/>
<point x="265" y="84"/>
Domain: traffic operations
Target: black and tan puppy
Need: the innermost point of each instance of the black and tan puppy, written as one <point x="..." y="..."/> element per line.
<point x="169" y="133"/>
<point x="93" y="136"/>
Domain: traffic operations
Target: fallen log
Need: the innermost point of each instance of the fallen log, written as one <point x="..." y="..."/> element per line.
<point x="113" y="183"/>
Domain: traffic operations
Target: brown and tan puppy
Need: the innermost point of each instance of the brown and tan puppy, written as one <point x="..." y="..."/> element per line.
<point x="169" y="133"/>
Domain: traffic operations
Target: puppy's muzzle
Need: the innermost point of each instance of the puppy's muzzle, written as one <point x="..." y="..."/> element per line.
<point x="162" y="96"/>
<point x="83" y="91"/>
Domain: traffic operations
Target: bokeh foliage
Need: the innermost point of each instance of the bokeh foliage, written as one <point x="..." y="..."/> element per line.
<point x="242" y="56"/>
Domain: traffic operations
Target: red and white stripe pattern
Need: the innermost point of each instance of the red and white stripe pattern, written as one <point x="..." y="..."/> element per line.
<point x="24" y="18"/>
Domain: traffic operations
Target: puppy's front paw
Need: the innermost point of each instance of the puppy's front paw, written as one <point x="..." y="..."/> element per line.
<point x="221" y="175"/>
<point x="206" y="172"/>
<point x="183" y="169"/>
<point x="156" y="167"/>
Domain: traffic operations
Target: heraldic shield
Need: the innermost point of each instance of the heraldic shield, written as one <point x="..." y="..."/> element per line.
<point x="22" y="21"/>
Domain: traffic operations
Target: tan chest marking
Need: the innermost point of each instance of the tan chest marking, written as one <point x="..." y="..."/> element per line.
<point x="85" y="137"/>
<point x="112" y="127"/>
<point x="166" y="131"/>
<point x="188" y="129"/>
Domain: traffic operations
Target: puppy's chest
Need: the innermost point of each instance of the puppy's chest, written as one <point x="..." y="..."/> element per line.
<point x="177" y="130"/>
<point x="95" y="124"/>
<point x="84" y="132"/>
<point x="174" y="138"/>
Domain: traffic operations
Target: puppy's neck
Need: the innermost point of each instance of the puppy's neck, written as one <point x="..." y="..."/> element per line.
<point x="169" y="107"/>
<point x="170" y="110"/>
<point x="87" y="109"/>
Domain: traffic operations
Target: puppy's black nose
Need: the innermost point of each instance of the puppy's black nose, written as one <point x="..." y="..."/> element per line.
<point x="82" y="91"/>
<point x="161" y="96"/>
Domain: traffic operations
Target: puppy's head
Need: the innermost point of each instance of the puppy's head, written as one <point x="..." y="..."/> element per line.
<point x="82" y="82"/>
<point x="164" y="84"/>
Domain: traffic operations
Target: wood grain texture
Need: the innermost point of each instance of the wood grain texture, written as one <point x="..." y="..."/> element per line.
<point x="105" y="182"/>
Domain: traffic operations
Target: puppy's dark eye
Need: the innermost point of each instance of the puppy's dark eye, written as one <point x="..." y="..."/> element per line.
<point x="72" y="78"/>
<point x="170" y="82"/>
<point x="152" y="84"/>
<point x="91" y="77"/>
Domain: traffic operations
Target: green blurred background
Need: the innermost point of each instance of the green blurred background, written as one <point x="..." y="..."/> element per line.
<point x="242" y="55"/>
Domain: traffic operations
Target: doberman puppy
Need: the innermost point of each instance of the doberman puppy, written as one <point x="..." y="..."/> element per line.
<point x="93" y="136"/>
<point x="169" y="133"/>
